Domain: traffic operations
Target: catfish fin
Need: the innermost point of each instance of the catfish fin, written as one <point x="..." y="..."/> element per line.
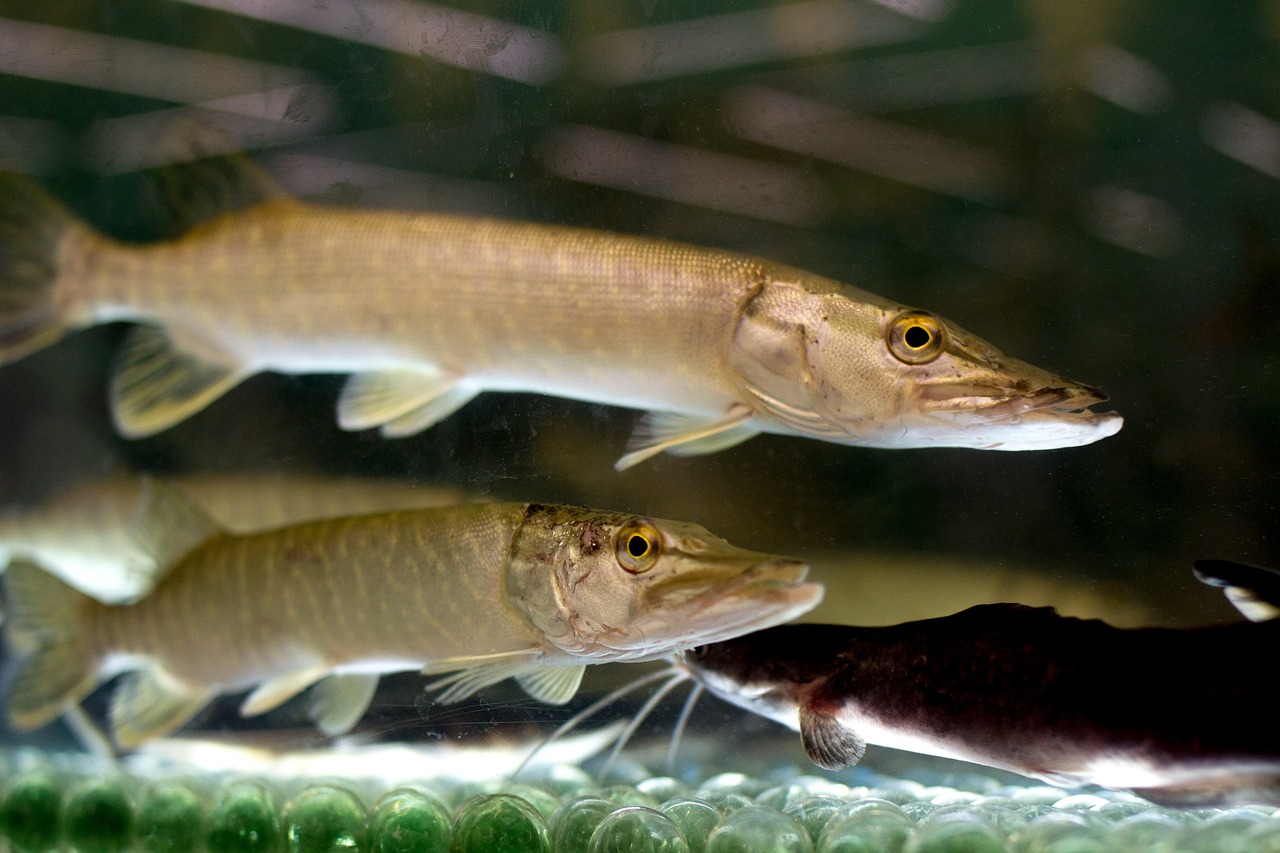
<point x="155" y="384"/>
<point x="477" y="672"/>
<point x="59" y="669"/>
<point x="168" y="526"/>
<point x="200" y="183"/>
<point x="32" y="230"/>
<point x="380" y="397"/>
<point x="150" y="704"/>
<point x="686" y="435"/>
<point x="429" y="413"/>
<point x="1252" y="590"/>
<point x="274" y="692"/>
<point x="828" y="742"/>
<point x="338" y="702"/>
<point x="554" y="685"/>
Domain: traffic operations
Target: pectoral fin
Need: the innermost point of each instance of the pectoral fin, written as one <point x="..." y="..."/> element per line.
<point x="686" y="435"/>
<point x="554" y="685"/>
<point x="402" y="402"/>
<point x="156" y="384"/>
<point x="827" y="742"/>
<point x="338" y="702"/>
<point x="275" y="692"/>
<point x="479" y="671"/>
<point x="149" y="704"/>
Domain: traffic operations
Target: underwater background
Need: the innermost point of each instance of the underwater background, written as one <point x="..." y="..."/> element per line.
<point x="1093" y="187"/>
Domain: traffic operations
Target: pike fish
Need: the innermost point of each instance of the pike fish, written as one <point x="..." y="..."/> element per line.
<point x="1181" y="716"/>
<point x="483" y="591"/>
<point x="426" y="311"/>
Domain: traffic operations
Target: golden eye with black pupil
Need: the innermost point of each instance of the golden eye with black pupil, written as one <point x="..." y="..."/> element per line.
<point x="915" y="337"/>
<point x="637" y="546"/>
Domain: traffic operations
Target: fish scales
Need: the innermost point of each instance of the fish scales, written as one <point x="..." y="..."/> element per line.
<point x="288" y="597"/>
<point x="510" y="305"/>
<point x="425" y="311"/>
<point x="484" y="592"/>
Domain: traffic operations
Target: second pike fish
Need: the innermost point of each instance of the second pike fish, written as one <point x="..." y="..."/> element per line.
<point x="485" y="591"/>
<point x="426" y="311"/>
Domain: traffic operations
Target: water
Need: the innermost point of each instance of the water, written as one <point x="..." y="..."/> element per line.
<point x="1093" y="190"/>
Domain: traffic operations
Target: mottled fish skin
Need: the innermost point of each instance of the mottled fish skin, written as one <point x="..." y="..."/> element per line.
<point x="489" y="591"/>
<point x="426" y="311"/>
<point x="1181" y="716"/>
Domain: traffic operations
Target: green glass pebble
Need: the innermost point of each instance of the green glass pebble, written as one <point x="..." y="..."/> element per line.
<point x="99" y="817"/>
<point x="737" y="783"/>
<point x="954" y="833"/>
<point x="754" y="828"/>
<point x="244" y="819"/>
<point x="500" y="823"/>
<point x="1222" y="833"/>
<point x="695" y="817"/>
<point x="1117" y="811"/>
<point x="637" y="830"/>
<point x="868" y="829"/>
<point x="727" y="802"/>
<point x="813" y="813"/>
<point x="546" y="803"/>
<point x="629" y="796"/>
<point x="1059" y="831"/>
<point x="31" y="813"/>
<point x="661" y="788"/>
<point x="1146" y="830"/>
<point x="409" y="821"/>
<point x="168" y="820"/>
<point x="573" y="823"/>
<point x="563" y="780"/>
<point x="324" y="819"/>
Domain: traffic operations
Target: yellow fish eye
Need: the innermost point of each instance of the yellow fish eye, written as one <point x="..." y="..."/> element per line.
<point x="915" y="337"/>
<point x="637" y="547"/>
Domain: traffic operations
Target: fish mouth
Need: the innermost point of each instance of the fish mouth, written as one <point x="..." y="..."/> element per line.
<point x="767" y="594"/>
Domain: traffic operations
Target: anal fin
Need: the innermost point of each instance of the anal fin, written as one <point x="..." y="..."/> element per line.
<point x="155" y="384"/>
<point x="686" y="435"/>
<point x="338" y="702"/>
<point x="149" y="704"/>
<point x="552" y="684"/>
<point x="828" y="742"/>
<point x="401" y="402"/>
<point x="274" y="692"/>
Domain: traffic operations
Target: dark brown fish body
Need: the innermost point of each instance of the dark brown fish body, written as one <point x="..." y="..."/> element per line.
<point x="1180" y="715"/>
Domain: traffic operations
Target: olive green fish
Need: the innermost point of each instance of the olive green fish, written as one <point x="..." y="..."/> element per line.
<point x="426" y="311"/>
<point x="485" y="591"/>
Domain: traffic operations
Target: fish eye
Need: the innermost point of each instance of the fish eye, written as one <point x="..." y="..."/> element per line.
<point x="637" y="546"/>
<point x="915" y="337"/>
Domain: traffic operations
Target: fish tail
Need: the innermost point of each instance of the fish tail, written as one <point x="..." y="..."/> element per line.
<point x="46" y="625"/>
<point x="32" y="227"/>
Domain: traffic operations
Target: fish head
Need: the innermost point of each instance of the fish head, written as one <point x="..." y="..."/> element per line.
<point x="836" y="363"/>
<point x="612" y="586"/>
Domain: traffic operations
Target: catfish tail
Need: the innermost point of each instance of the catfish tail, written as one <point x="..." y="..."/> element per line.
<point x="46" y="626"/>
<point x="32" y="226"/>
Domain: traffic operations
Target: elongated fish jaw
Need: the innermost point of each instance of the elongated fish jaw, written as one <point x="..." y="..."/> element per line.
<point x="708" y="601"/>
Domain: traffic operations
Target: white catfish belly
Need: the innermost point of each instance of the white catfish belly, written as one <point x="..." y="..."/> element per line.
<point x="507" y="306"/>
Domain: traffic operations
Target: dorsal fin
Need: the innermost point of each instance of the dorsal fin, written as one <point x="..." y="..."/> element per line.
<point x="200" y="181"/>
<point x="1252" y="590"/>
<point x="169" y="525"/>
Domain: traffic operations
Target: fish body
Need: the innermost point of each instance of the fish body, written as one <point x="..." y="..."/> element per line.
<point x="1183" y="716"/>
<point x="426" y="311"/>
<point x="486" y="591"/>
<point x="83" y="533"/>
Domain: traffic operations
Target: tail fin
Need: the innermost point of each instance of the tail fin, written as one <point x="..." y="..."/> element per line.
<point x="46" y="623"/>
<point x="32" y="225"/>
<point x="1252" y="590"/>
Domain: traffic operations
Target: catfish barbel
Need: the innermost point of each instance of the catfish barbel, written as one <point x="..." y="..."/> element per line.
<point x="485" y="591"/>
<point x="1182" y="716"/>
<point x="426" y="311"/>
